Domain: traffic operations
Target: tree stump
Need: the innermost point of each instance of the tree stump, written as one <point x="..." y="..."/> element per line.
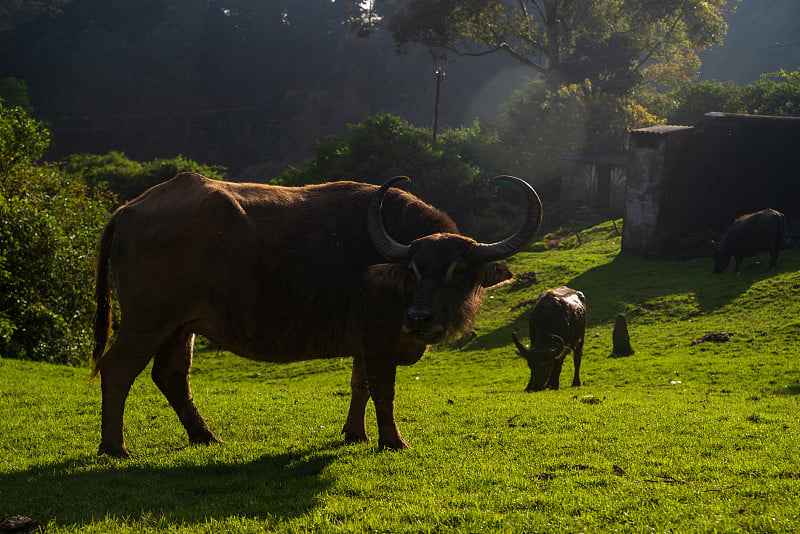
<point x="620" y="338"/>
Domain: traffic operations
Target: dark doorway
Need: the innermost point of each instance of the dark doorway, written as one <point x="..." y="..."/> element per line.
<point x="603" y="198"/>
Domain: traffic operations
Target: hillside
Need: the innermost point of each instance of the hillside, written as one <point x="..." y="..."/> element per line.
<point x="677" y="437"/>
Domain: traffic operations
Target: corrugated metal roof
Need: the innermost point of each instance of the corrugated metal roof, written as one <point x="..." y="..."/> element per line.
<point x="661" y="129"/>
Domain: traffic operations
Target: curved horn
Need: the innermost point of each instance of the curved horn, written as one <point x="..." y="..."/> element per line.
<point x="384" y="243"/>
<point x="561" y="351"/>
<point x="510" y="245"/>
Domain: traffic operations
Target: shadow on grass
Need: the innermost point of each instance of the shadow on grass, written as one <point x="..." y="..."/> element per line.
<point x="630" y="280"/>
<point x="790" y="390"/>
<point x="271" y="488"/>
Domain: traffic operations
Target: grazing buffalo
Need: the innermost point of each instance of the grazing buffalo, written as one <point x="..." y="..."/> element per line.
<point x="557" y="326"/>
<point x="748" y="235"/>
<point x="284" y="274"/>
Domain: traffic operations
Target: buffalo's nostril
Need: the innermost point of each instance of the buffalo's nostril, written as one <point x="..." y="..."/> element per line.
<point x="418" y="318"/>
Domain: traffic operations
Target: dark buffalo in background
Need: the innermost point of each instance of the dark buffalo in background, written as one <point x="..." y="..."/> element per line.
<point x="284" y="274"/>
<point x="748" y="235"/>
<point x="557" y="325"/>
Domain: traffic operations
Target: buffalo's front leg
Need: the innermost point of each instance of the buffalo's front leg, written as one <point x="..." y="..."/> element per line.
<point x="531" y="384"/>
<point x="555" y="374"/>
<point x="380" y="379"/>
<point x="355" y="429"/>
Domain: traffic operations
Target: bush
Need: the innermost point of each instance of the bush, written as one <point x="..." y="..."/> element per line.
<point x="48" y="229"/>
<point x="445" y="174"/>
<point x="128" y="178"/>
<point x="779" y="94"/>
<point x="693" y="100"/>
<point x="773" y="94"/>
<point x="14" y="93"/>
<point x="22" y="140"/>
<point x="47" y="239"/>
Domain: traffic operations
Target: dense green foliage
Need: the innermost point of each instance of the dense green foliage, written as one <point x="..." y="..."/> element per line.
<point x="14" y="93"/>
<point x="678" y="437"/>
<point x="774" y="94"/>
<point x="615" y="44"/>
<point x="48" y="228"/>
<point x="128" y="178"/>
<point x="50" y="219"/>
<point x="540" y="126"/>
<point x="445" y="174"/>
<point x="22" y="140"/>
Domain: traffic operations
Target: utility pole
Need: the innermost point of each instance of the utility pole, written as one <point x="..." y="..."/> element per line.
<point x="439" y="75"/>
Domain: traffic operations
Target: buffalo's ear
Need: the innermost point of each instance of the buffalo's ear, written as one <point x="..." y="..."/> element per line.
<point x="390" y="276"/>
<point x="520" y="347"/>
<point x="495" y="273"/>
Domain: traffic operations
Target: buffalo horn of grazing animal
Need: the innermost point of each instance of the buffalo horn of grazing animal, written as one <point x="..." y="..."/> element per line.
<point x="562" y="349"/>
<point x="483" y="252"/>
<point x="558" y="350"/>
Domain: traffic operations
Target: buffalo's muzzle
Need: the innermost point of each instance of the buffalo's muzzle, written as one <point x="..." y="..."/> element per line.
<point x="421" y="324"/>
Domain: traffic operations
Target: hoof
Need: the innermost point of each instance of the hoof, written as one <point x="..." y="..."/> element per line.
<point x="203" y="437"/>
<point x="120" y="451"/>
<point x="350" y="437"/>
<point x="394" y="445"/>
<point x="358" y="435"/>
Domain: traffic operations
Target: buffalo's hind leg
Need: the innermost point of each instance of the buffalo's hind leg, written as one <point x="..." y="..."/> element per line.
<point x="125" y="360"/>
<point x="355" y="429"/>
<point x="171" y="374"/>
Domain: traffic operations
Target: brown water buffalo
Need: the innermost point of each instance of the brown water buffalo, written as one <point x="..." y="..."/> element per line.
<point x="748" y="235"/>
<point x="557" y="326"/>
<point x="284" y="274"/>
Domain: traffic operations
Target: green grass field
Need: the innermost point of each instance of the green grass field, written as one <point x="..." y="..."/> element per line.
<point x="678" y="437"/>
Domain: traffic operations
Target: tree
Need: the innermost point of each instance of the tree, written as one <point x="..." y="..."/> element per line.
<point x="540" y="125"/>
<point x="616" y="44"/>
<point x="14" y="11"/>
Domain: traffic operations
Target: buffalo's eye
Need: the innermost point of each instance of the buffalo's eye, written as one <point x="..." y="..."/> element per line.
<point x="456" y="270"/>
<point x="414" y="269"/>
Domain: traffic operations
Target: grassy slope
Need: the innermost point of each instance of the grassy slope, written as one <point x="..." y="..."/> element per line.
<point x="677" y="437"/>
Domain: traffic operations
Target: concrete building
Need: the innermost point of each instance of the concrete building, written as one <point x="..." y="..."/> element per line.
<point x="687" y="180"/>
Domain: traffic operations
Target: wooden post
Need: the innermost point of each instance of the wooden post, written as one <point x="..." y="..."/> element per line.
<point x="439" y="75"/>
<point x="620" y="338"/>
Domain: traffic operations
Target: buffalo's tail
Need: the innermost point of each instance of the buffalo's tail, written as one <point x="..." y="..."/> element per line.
<point x="102" y="315"/>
